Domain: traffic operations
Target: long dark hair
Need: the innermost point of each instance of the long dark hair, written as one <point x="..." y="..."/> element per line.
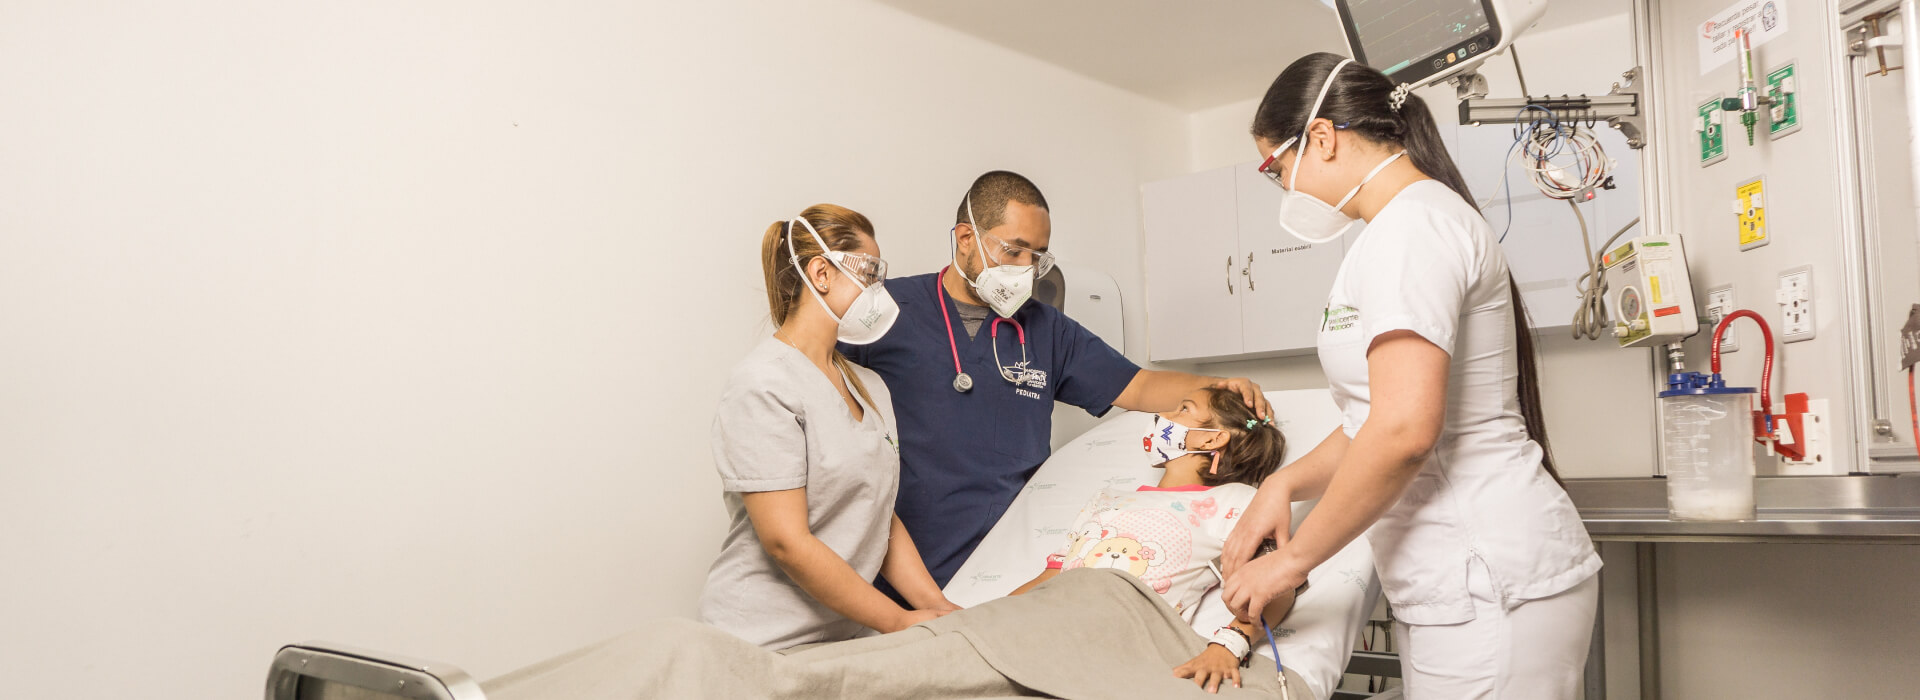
<point x="1361" y="100"/>
<point x="1255" y="448"/>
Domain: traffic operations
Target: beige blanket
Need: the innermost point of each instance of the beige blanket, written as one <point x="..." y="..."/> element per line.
<point x="1088" y="633"/>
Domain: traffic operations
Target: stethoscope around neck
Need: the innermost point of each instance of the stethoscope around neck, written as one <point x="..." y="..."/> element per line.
<point x="963" y="382"/>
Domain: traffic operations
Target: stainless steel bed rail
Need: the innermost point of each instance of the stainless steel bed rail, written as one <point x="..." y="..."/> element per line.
<point x="325" y="671"/>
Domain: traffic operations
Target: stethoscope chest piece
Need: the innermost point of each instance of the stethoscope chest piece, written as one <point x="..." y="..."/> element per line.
<point x="962" y="382"/>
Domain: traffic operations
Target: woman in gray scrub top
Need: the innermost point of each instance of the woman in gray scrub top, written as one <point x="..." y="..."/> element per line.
<point x="805" y="445"/>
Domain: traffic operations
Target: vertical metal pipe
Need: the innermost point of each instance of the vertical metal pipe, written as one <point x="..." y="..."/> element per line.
<point x="1655" y="219"/>
<point x="1910" y="59"/>
<point x="1647" y="603"/>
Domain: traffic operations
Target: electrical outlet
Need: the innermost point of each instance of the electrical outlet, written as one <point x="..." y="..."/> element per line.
<point x="1795" y="297"/>
<point x="1719" y="304"/>
<point x="1816" y="438"/>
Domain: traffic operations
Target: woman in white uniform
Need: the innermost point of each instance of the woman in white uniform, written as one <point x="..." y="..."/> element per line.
<point x="1442" y="459"/>
<point x="807" y="454"/>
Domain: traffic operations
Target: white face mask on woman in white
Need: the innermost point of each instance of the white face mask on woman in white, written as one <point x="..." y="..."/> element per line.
<point x="1304" y="215"/>
<point x="872" y="313"/>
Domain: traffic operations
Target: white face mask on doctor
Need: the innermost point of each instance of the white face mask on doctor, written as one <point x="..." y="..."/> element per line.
<point x="872" y="313"/>
<point x="1304" y="215"/>
<point x="1005" y="288"/>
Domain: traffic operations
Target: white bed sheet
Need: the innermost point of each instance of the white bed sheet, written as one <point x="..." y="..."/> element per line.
<point x="1316" y="638"/>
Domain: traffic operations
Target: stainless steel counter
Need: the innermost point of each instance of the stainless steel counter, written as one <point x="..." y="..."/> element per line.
<point x="1883" y="509"/>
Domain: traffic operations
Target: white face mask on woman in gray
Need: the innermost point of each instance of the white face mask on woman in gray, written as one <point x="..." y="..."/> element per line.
<point x="872" y="313"/>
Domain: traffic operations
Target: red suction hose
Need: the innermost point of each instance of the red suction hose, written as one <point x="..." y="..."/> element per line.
<point x="1766" y="372"/>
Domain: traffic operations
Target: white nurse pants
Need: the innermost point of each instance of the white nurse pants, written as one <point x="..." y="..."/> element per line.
<point x="1535" y="651"/>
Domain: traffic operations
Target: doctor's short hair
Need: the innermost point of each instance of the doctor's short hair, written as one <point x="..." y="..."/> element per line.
<point x="990" y="194"/>
<point x="1255" y="446"/>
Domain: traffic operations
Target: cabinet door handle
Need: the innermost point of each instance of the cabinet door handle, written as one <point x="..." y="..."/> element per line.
<point x="1248" y="272"/>
<point x="1229" y="274"/>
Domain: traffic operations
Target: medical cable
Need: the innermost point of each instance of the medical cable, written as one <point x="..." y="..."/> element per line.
<point x="961" y="382"/>
<point x="1279" y="671"/>
<point x="1506" y="188"/>
<point x="1590" y="320"/>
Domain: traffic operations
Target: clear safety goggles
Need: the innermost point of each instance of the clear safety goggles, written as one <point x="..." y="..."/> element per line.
<point x="1004" y="253"/>
<point x="866" y="269"/>
<point x="1267" y="166"/>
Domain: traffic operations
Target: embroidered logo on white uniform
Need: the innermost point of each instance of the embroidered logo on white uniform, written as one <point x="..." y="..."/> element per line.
<point x="1336" y="319"/>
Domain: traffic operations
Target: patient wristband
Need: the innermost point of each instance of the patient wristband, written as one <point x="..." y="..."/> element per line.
<point x="1234" y="641"/>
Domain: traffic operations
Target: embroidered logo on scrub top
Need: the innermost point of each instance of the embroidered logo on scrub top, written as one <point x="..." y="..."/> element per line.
<point x="1338" y="318"/>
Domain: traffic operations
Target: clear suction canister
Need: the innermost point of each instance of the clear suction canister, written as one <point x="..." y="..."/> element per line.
<point x="1706" y="443"/>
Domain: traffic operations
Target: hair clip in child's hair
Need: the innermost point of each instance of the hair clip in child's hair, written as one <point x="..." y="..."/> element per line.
<point x="1256" y="422"/>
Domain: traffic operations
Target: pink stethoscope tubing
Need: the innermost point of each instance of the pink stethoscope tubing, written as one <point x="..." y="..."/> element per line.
<point x="962" y="382"/>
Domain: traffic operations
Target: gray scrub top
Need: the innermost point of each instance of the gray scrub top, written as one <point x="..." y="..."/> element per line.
<point x="781" y="425"/>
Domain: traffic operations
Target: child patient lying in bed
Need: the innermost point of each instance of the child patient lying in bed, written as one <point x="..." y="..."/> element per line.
<point x="1215" y="453"/>
<point x="1105" y="620"/>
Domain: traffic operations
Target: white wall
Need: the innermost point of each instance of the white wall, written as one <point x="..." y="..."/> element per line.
<point x="401" y="324"/>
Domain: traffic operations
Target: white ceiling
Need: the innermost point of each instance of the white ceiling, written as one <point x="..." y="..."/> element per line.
<point x="1191" y="54"/>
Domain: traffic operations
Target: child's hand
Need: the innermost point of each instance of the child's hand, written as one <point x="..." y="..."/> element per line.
<point x="1212" y="667"/>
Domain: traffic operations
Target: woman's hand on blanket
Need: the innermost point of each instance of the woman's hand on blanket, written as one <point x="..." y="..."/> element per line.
<point x="909" y="618"/>
<point x="1269" y="515"/>
<point x="1252" y="587"/>
<point x="1212" y="667"/>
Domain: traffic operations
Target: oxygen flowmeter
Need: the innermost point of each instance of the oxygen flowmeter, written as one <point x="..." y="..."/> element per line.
<point x="1650" y="292"/>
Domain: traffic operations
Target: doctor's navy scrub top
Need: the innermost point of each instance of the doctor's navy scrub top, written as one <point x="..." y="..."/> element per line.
<point x="965" y="456"/>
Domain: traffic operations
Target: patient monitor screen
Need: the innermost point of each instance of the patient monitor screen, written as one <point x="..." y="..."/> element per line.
<point x="1412" y="39"/>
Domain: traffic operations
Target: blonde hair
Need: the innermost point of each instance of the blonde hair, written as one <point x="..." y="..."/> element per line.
<point x="841" y="228"/>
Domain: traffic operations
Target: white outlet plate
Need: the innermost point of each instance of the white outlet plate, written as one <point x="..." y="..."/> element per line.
<point x="1719" y="304"/>
<point x="1818" y="436"/>
<point x="1796" y="315"/>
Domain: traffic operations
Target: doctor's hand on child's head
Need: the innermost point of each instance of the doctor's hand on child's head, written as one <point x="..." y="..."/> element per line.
<point x="1249" y="392"/>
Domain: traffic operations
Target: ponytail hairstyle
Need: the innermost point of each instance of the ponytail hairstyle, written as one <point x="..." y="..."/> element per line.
<point x="1364" y="101"/>
<point x="841" y="228"/>
<point x="1254" y="446"/>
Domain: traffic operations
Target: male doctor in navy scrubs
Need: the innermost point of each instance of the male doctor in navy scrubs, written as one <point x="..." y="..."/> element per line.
<point x="973" y="427"/>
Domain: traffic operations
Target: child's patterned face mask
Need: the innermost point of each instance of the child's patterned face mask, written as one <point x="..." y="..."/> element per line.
<point x="1167" y="440"/>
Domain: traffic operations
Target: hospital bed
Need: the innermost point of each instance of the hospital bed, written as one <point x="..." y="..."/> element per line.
<point x="1316" y="640"/>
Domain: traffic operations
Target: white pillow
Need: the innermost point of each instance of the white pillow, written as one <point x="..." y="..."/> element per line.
<point x="1317" y="636"/>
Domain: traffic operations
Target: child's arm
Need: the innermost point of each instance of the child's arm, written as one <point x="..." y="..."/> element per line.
<point x="780" y="520"/>
<point x="1045" y="575"/>
<point x="908" y="572"/>
<point x="1216" y="664"/>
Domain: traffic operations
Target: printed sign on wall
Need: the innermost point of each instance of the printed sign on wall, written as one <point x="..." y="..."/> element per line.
<point x="1765" y="19"/>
